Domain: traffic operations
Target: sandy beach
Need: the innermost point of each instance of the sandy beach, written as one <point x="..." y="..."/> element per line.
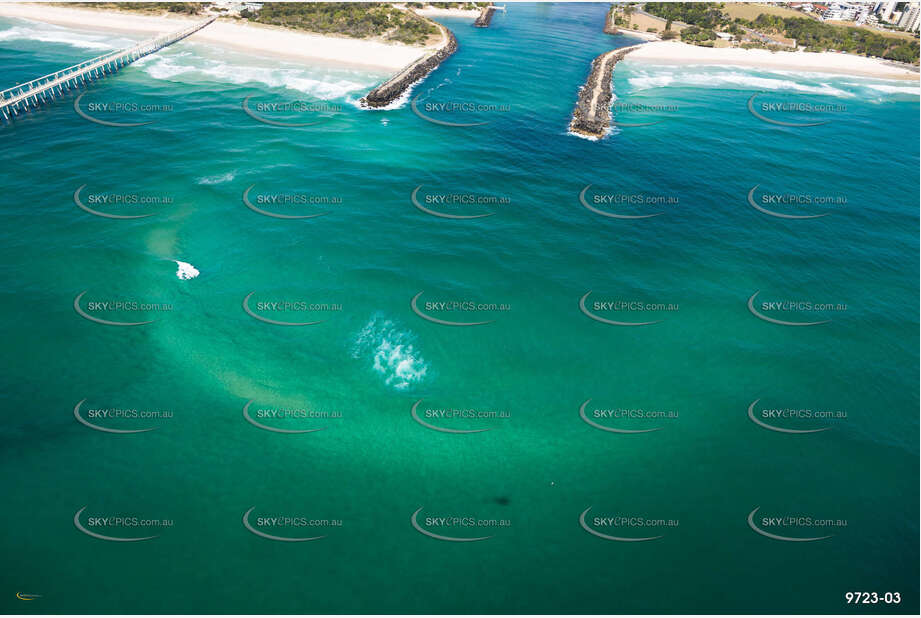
<point x="670" y="52"/>
<point x="264" y="40"/>
<point x="432" y="11"/>
<point x="638" y="34"/>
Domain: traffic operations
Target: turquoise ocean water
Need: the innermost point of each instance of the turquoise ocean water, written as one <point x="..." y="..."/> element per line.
<point x="525" y="482"/>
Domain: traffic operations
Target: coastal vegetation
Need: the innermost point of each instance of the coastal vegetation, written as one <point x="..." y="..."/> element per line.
<point x="705" y="18"/>
<point x="699" y="36"/>
<point x="706" y="15"/>
<point x="818" y="36"/>
<point x="360" y="20"/>
<point x="184" y="8"/>
<point x="464" y="6"/>
<point x="354" y="19"/>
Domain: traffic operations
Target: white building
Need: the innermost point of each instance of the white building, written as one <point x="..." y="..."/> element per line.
<point x="885" y="10"/>
<point x="840" y="13"/>
<point x="911" y="17"/>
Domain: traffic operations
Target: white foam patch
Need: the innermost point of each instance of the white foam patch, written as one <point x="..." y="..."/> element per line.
<point x="216" y="179"/>
<point x="45" y="33"/>
<point x="644" y="80"/>
<point x="186" y="270"/>
<point x="590" y="138"/>
<point x="912" y="90"/>
<point x="391" y="351"/>
<point x="647" y="81"/>
<point x="397" y="103"/>
<point x="315" y="83"/>
<point x="164" y="67"/>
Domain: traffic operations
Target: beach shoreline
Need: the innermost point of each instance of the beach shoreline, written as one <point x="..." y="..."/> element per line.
<point x="637" y="34"/>
<point x="272" y="41"/>
<point x="431" y="11"/>
<point x="671" y="52"/>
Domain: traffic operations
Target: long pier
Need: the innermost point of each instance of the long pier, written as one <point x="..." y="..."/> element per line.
<point x="393" y="88"/>
<point x="592" y="115"/>
<point x="30" y="95"/>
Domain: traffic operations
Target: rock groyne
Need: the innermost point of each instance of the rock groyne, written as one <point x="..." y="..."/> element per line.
<point x="609" y="27"/>
<point x="482" y="21"/>
<point x="592" y="115"/>
<point x="393" y="88"/>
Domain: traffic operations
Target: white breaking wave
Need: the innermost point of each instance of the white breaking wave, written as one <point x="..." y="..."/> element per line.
<point x="645" y="80"/>
<point x="590" y="138"/>
<point x="45" y="33"/>
<point x="397" y="103"/>
<point x="186" y="270"/>
<point x="203" y="64"/>
<point x="912" y="90"/>
<point x="391" y="351"/>
<point x="315" y="83"/>
<point x="217" y="179"/>
<point x="164" y="67"/>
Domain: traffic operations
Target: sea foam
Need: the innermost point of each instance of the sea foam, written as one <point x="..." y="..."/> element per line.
<point x="46" y="33"/>
<point x="317" y="83"/>
<point x="644" y="80"/>
<point x="216" y="179"/>
<point x="391" y="351"/>
<point x="186" y="270"/>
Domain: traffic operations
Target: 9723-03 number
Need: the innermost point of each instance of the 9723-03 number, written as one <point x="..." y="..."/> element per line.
<point x="872" y="598"/>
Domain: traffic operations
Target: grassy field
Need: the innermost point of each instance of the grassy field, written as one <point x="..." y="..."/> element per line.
<point x="896" y="34"/>
<point x="643" y="23"/>
<point x="751" y="10"/>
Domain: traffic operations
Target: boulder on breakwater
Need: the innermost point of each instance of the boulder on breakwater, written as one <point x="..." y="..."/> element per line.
<point x="392" y="89"/>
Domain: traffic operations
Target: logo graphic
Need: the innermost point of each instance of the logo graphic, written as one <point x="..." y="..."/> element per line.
<point x="608" y="537"/>
<point x="751" y="201"/>
<point x="598" y="318"/>
<point x="416" y="111"/>
<point x="107" y="538"/>
<point x="440" y="537"/>
<point x="611" y="214"/>
<point x="272" y="537"/>
<point x="80" y="204"/>
<point x="25" y="596"/>
<point x="429" y="211"/>
<point x="252" y="207"/>
<point x="267" y="320"/>
<point x="611" y="429"/>
<point x="274" y="123"/>
<point x="776" y="537"/>
<point x="418" y="312"/>
<point x="754" y="312"/>
<point x="751" y="108"/>
<point x="107" y="123"/>
<point x="416" y="418"/>
<point x="105" y="429"/>
<point x="252" y="421"/>
<point x="751" y="415"/>
<point x="84" y="314"/>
